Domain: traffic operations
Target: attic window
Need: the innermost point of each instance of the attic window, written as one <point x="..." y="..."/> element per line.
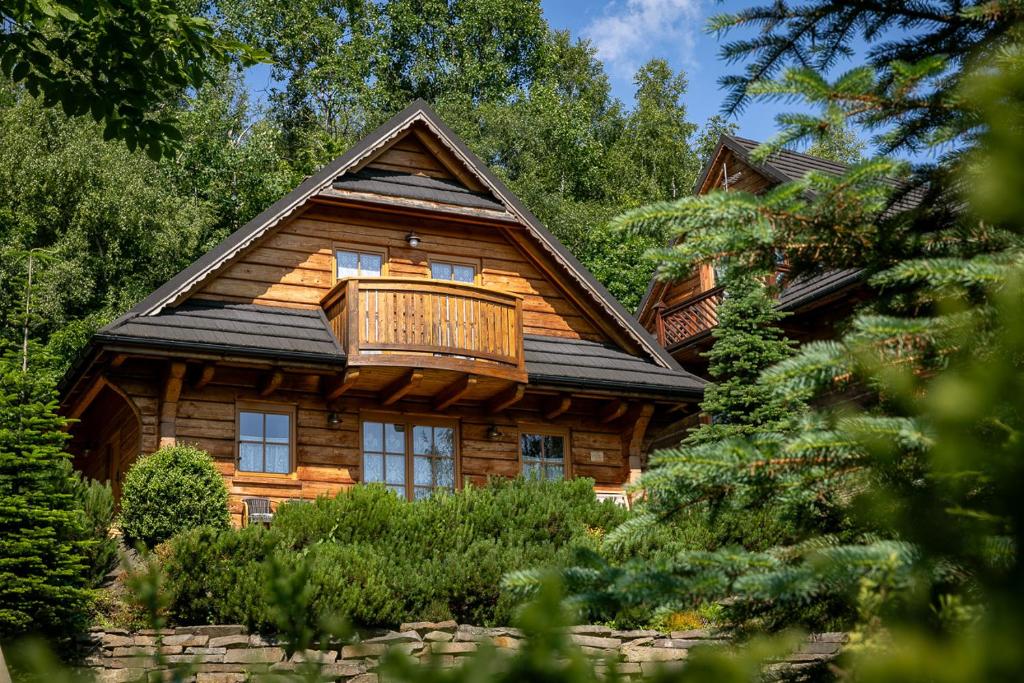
<point x="358" y="264"/>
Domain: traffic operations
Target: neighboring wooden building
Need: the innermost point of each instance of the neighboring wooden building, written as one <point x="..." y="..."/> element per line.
<point x="681" y="314"/>
<point x="399" y="317"/>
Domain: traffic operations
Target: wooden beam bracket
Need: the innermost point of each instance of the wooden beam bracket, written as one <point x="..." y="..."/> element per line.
<point x="506" y="399"/>
<point x="339" y="385"/>
<point x="557" y="405"/>
<point x="400" y="387"/>
<point x="613" y="410"/>
<point x="271" y="383"/>
<point x="205" y="375"/>
<point x="454" y="392"/>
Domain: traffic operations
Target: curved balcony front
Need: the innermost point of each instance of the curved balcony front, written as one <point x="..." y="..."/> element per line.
<point x="420" y="323"/>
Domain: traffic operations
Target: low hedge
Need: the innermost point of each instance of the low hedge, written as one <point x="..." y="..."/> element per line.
<point x="380" y="560"/>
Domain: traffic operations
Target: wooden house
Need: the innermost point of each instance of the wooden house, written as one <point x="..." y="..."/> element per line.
<point x="400" y="317"/>
<point x="682" y="313"/>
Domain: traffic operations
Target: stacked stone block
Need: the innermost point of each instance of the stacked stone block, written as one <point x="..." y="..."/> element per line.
<point x="228" y="654"/>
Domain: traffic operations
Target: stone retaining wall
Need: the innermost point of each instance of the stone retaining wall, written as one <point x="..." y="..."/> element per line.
<point x="227" y="654"/>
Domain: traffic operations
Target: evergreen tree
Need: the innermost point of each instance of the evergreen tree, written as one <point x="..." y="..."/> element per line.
<point x="748" y="340"/>
<point x="44" y="546"/>
<point x="919" y="472"/>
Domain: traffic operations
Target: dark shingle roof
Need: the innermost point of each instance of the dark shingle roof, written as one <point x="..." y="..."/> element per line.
<point x="801" y="292"/>
<point x="264" y="330"/>
<point x="270" y="331"/>
<point x="793" y="165"/>
<point x="578" y="361"/>
<point x="408" y="186"/>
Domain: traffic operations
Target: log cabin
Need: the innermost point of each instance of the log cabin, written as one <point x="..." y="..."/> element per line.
<point x="399" y="318"/>
<point x="681" y="314"/>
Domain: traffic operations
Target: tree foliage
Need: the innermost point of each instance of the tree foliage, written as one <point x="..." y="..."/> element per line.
<point x="45" y="541"/>
<point x="121" y="62"/>
<point x="909" y="523"/>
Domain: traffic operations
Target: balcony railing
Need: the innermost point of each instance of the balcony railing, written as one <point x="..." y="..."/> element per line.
<point x="689" y="319"/>
<point x="428" y="323"/>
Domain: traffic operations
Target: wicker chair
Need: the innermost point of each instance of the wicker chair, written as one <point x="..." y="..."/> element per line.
<point x="256" y="511"/>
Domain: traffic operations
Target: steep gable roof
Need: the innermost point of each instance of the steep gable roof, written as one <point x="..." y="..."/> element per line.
<point x="356" y="166"/>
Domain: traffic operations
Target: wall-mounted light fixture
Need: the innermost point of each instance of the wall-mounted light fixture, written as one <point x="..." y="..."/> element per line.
<point x="493" y="433"/>
<point x="333" y="419"/>
<point x="413" y="239"/>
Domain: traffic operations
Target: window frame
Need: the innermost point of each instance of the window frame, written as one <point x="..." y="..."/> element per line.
<point x="409" y="421"/>
<point x="455" y="261"/>
<point x="273" y="408"/>
<point x="357" y="249"/>
<point x="546" y="430"/>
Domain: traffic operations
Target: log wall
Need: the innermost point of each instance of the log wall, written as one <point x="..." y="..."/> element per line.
<point x="328" y="458"/>
<point x="295" y="265"/>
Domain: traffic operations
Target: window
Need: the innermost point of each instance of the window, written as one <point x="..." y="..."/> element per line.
<point x="459" y="272"/>
<point x="264" y="441"/>
<point x="433" y="462"/>
<point x="386" y="459"/>
<point x="358" y="263"/>
<point x="543" y="455"/>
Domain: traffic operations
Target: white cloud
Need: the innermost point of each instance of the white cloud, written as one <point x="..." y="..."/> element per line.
<point x="630" y="33"/>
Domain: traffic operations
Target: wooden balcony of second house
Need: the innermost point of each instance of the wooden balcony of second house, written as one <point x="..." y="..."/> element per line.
<point x="689" y="320"/>
<point x="428" y="324"/>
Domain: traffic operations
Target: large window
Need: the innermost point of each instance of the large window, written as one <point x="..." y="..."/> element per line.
<point x="358" y="263"/>
<point x="413" y="460"/>
<point x="459" y="272"/>
<point x="265" y="440"/>
<point x="543" y="454"/>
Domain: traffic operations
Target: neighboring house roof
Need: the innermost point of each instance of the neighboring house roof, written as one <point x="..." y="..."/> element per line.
<point x="786" y="166"/>
<point x="188" y="280"/>
<point x="304" y="334"/>
<point x="801" y="292"/>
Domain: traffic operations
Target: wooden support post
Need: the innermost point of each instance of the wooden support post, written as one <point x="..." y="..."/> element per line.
<point x="205" y="375"/>
<point x="169" y="403"/>
<point x="633" y="441"/>
<point x="659" y="322"/>
<point x="506" y="399"/>
<point x="271" y="383"/>
<point x="556" y="406"/>
<point x="454" y="392"/>
<point x="400" y="387"/>
<point x="339" y="385"/>
<point x="613" y="411"/>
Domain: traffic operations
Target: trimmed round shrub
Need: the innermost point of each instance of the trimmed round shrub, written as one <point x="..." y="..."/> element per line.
<point x="175" y="489"/>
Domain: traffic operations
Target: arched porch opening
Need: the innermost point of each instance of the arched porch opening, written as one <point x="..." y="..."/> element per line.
<point x="107" y="438"/>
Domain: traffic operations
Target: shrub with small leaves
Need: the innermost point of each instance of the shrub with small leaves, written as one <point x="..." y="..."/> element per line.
<point x="175" y="489"/>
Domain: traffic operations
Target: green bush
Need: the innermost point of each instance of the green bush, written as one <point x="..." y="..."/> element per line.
<point x="173" y="490"/>
<point x="380" y="560"/>
<point x="97" y="502"/>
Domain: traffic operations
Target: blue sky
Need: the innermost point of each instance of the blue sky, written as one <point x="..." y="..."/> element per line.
<point x="627" y="33"/>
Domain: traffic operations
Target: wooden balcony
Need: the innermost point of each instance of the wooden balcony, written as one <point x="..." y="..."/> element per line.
<point x="419" y="323"/>
<point x="689" y="320"/>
